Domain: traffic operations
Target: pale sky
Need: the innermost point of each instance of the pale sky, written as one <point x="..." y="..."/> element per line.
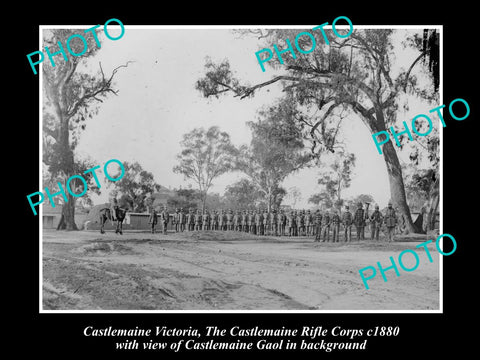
<point x="157" y="103"/>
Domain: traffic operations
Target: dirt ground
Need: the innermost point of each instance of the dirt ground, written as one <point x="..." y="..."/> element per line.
<point x="85" y="270"/>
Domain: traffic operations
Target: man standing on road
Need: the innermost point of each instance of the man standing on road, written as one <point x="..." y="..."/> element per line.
<point x="281" y="223"/>
<point x="326" y="226"/>
<point x="273" y="222"/>
<point x="205" y="220"/>
<point x="176" y="220"/>
<point x="251" y="222"/>
<point x="318" y="225"/>
<point x="164" y="217"/>
<point x="347" y="220"/>
<point x="359" y="221"/>
<point x="336" y="226"/>
<point x="153" y="220"/>
<point x="244" y="221"/>
<point x="390" y="222"/>
<point x="375" y="223"/>
<point x="266" y="222"/>
<point x="258" y="222"/>
<point x="308" y="223"/>
<point x="191" y="220"/>
<point x="198" y="220"/>
<point x="182" y="219"/>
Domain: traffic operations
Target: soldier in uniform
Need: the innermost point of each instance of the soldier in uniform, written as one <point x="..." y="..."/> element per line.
<point x="326" y="226"/>
<point x="359" y="221"/>
<point x="375" y="223"/>
<point x="244" y="221"/>
<point x="273" y="222"/>
<point x="347" y="220"/>
<point x="258" y="219"/>
<point x="190" y="220"/>
<point x="302" y="227"/>
<point x="294" y="223"/>
<point x="335" y="226"/>
<point x="214" y="220"/>
<point x="164" y="216"/>
<point x="318" y="225"/>
<point x="176" y="220"/>
<point x="221" y="220"/>
<point x="153" y="220"/>
<point x="281" y="223"/>
<point x="182" y="220"/>
<point x="198" y="220"/>
<point x="205" y="220"/>
<point x="236" y="220"/>
<point x="308" y="223"/>
<point x="390" y="221"/>
<point x="290" y="222"/>
<point x="266" y="222"/>
<point x="251" y="222"/>
<point x="298" y="221"/>
<point x="229" y="220"/>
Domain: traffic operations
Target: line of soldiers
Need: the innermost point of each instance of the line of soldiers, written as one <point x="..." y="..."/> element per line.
<point x="282" y="223"/>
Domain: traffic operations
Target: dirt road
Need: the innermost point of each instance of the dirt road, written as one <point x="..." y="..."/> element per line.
<point x="85" y="270"/>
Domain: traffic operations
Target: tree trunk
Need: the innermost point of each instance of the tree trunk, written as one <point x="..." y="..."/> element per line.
<point x="397" y="187"/>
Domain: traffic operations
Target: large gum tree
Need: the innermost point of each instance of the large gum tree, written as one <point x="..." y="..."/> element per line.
<point x="71" y="96"/>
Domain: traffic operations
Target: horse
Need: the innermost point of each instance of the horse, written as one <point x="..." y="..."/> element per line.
<point x="106" y="214"/>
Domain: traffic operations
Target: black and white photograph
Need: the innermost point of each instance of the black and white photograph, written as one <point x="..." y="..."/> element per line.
<point x="241" y="168"/>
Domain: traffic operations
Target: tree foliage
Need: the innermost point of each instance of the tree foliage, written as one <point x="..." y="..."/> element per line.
<point x="135" y="188"/>
<point x="275" y="151"/>
<point x="205" y="155"/>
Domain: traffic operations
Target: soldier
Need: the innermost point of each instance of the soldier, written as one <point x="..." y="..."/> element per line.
<point x="214" y="220"/>
<point x="164" y="216"/>
<point x="390" y="221"/>
<point x="205" y="220"/>
<point x="229" y="220"/>
<point x="326" y="226"/>
<point x="300" y="223"/>
<point x="318" y="225"/>
<point x="289" y="223"/>
<point x="266" y="222"/>
<point x="182" y="219"/>
<point x="198" y="220"/>
<point x="251" y="222"/>
<point x="375" y="223"/>
<point x="221" y="220"/>
<point x="257" y="219"/>
<point x="190" y="220"/>
<point x="359" y="221"/>
<point x="347" y="220"/>
<point x="336" y="226"/>
<point x="244" y="221"/>
<point x="273" y="222"/>
<point x="176" y="220"/>
<point x="281" y="223"/>
<point x="236" y="220"/>
<point x="308" y="223"/>
<point x="294" y="227"/>
<point x="153" y="220"/>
